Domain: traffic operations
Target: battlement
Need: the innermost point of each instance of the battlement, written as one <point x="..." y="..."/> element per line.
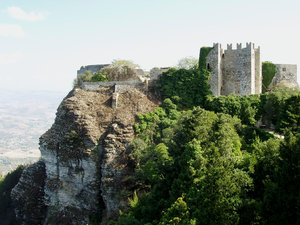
<point x="229" y="46"/>
<point x="239" y="46"/>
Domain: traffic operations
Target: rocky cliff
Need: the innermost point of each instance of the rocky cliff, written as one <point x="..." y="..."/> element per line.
<point x="84" y="172"/>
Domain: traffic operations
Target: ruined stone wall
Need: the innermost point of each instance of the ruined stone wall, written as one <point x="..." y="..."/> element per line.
<point x="122" y="88"/>
<point x="92" y="68"/>
<point x="214" y="63"/>
<point x="155" y="74"/>
<point x="121" y="85"/>
<point x="115" y="88"/>
<point x="285" y="73"/>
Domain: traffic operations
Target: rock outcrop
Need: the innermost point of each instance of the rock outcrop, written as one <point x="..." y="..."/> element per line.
<point x="87" y="167"/>
<point x="28" y="195"/>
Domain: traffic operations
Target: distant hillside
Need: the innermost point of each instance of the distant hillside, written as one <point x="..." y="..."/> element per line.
<point x="24" y="116"/>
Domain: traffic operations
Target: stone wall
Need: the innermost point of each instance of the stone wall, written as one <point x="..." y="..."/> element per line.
<point x="213" y="63"/>
<point x="258" y="71"/>
<point x="119" y="86"/>
<point x="115" y="88"/>
<point x="285" y="73"/>
<point x="92" y="68"/>
<point x="155" y="74"/>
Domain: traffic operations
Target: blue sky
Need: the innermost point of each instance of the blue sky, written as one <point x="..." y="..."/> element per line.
<point x="43" y="43"/>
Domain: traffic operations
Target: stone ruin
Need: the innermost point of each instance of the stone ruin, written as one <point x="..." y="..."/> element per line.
<point x="92" y="68"/>
<point x="140" y="82"/>
<point x="237" y="71"/>
<point x="286" y="75"/>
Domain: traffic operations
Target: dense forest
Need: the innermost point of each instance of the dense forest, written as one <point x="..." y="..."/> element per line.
<point x="200" y="159"/>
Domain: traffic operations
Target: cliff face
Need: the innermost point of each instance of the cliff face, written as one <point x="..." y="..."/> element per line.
<point x="87" y="168"/>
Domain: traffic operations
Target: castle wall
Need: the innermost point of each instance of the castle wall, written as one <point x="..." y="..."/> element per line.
<point x="119" y="86"/>
<point x="258" y="72"/>
<point x="155" y="74"/>
<point x="115" y="88"/>
<point x="92" y="68"/>
<point x="214" y="63"/>
<point x="285" y="73"/>
<point x="252" y="73"/>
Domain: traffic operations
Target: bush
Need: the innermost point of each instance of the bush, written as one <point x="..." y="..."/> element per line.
<point x="187" y="88"/>
<point x="203" y="54"/>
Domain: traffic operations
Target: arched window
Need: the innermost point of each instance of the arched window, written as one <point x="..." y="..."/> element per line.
<point x="208" y="66"/>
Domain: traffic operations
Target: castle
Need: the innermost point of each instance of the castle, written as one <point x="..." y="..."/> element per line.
<point x="233" y="71"/>
<point x="239" y="70"/>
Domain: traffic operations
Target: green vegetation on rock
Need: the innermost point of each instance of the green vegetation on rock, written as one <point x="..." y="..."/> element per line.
<point x="211" y="165"/>
<point x="201" y="167"/>
<point x="202" y="59"/>
<point x="268" y="72"/>
<point x="187" y="88"/>
<point x="89" y="77"/>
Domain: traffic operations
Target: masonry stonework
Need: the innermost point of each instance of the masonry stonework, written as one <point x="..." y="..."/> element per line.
<point x="235" y="71"/>
<point x="285" y="74"/>
<point x="92" y="68"/>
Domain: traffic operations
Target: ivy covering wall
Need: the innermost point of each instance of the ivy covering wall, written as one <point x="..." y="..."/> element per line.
<point x="202" y="59"/>
<point x="268" y="72"/>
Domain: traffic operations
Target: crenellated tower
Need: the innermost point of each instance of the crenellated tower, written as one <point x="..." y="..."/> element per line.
<point x="236" y="70"/>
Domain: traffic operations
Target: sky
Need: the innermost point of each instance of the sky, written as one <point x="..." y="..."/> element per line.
<point x="43" y="43"/>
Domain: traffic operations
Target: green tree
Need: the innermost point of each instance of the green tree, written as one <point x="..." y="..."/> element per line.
<point x="290" y="114"/>
<point x="120" y="70"/>
<point x="177" y="214"/>
<point x="282" y="194"/>
<point x="123" y="63"/>
<point x="274" y="105"/>
<point x="187" y="88"/>
<point x="187" y="63"/>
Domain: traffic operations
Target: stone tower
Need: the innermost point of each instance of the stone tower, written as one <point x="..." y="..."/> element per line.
<point x="286" y="75"/>
<point x="235" y="71"/>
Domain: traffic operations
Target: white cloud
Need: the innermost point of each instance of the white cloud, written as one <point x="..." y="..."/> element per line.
<point x="11" y="30"/>
<point x="20" y="14"/>
<point x="10" y="58"/>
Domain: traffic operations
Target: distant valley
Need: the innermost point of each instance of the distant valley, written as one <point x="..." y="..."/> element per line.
<point x="24" y="117"/>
